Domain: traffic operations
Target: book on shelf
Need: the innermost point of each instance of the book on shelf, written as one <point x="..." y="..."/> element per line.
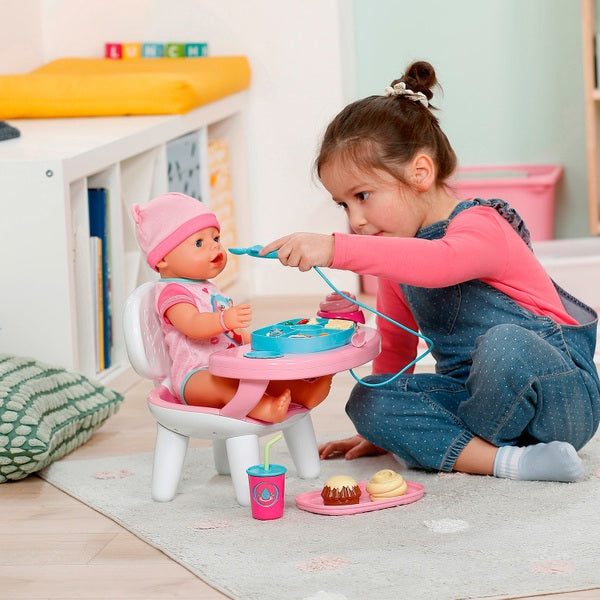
<point x="98" y="302"/>
<point x="98" y="218"/>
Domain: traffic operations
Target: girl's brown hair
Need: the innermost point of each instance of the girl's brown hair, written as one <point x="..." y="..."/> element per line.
<point x="386" y="132"/>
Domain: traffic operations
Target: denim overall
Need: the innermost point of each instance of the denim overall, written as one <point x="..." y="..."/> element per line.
<point x="502" y="373"/>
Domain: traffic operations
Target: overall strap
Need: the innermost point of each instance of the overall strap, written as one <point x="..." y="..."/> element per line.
<point x="438" y="229"/>
<point x="510" y="214"/>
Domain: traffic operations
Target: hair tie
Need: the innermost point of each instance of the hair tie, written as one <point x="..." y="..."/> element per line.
<point x="399" y="89"/>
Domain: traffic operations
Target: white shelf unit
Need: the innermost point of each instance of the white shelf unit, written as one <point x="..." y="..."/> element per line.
<point x="46" y="309"/>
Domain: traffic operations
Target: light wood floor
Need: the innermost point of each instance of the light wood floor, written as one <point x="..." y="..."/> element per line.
<point x="53" y="547"/>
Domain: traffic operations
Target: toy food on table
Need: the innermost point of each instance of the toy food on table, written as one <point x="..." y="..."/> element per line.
<point x="333" y="323"/>
<point x="340" y="490"/>
<point x="386" y="484"/>
<point x="335" y="306"/>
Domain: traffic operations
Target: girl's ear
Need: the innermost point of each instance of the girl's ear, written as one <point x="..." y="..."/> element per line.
<point x="422" y="172"/>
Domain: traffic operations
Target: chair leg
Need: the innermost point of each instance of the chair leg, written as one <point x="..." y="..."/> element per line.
<point x="220" y="456"/>
<point x="302" y="444"/>
<point x="243" y="452"/>
<point x="169" y="453"/>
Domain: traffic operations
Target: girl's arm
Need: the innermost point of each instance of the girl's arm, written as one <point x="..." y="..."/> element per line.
<point x="475" y="246"/>
<point x="398" y="347"/>
<point x="303" y="250"/>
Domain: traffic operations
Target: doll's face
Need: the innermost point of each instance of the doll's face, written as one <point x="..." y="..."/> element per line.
<point x="200" y="256"/>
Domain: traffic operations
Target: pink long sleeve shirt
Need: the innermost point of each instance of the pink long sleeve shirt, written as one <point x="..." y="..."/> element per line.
<point x="479" y="244"/>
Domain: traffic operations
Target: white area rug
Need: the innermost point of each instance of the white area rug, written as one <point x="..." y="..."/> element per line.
<point x="469" y="537"/>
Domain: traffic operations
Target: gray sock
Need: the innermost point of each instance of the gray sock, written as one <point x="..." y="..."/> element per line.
<point x="555" y="461"/>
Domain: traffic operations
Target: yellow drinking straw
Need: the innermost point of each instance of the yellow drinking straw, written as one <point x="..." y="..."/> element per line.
<point x="267" y="448"/>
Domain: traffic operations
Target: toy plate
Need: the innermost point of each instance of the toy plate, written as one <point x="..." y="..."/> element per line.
<point x="296" y="336"/>
<point x="312" y="501"/>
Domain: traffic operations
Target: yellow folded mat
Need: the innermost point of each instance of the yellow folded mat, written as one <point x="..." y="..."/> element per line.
<point x="87" y="87"/>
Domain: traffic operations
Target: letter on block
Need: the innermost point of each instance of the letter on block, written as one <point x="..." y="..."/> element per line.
<point x="192" y="50"/>
<point x="132" y="50"/>
<point x="175" y="50"/>
<point x="153" y="50"/>
<point x="113" y="50"/>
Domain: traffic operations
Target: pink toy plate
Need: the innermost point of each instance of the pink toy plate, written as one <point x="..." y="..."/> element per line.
<point x="312" y="501"/>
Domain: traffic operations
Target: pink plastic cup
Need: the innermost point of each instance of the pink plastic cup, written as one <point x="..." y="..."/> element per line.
<point x="267" y="491"/>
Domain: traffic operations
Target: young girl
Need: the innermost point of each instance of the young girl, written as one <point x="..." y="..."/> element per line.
<point x="516" y="391"/>
<point x="180" y="238"/>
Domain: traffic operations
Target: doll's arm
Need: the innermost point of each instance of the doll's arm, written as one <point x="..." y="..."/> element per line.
<point x="195" y="324"/>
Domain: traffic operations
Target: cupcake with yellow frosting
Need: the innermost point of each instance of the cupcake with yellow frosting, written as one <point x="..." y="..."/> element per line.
<point x="386" y="484"/>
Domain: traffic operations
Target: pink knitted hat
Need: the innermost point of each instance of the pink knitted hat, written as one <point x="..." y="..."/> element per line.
<point x="164" y="222"/>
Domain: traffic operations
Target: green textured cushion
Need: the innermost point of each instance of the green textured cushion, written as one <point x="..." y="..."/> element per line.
<point x="45" y="412"/>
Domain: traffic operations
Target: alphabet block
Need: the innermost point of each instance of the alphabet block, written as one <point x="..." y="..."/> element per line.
<point x="192" y="50"/>
<point x="132" y="50"/>
<point x="153" y="50"/>
<point x="113" y="50"/>
<point x="175" y="50"/>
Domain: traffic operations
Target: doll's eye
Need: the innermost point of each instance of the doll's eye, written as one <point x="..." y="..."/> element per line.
<point x="342" y="205"/>
<point x="198" y="243"/>
<point x="362" y="195"/>
<point x="217" y="239"/>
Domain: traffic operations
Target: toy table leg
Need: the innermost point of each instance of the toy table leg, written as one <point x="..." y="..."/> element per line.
<point x="302" y="444"/>
<point x="220" y="456"/>
<point x="169" y="453"/>
<point x="243" y="452"/>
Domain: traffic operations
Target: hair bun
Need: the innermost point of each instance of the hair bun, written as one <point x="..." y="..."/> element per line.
<point x="419" y="77"/>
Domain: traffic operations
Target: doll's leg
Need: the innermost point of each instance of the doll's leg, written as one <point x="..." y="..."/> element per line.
<point x="205" y="389"/>
<point x="307" y="393"/>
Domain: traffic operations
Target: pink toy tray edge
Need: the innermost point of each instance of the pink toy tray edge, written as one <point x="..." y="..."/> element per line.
<point x="312" y="501"/>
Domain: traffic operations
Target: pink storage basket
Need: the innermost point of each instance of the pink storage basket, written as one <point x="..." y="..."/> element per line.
<point x="529" y="189"/>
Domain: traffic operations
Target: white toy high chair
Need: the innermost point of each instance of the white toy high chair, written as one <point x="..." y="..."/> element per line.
<point x="235" y="445"/>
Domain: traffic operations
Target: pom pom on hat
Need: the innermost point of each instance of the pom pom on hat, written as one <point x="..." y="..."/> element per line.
<point x="166" y="221"/>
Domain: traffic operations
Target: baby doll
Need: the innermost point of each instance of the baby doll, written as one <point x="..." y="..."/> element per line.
<point x="180" y="237"/>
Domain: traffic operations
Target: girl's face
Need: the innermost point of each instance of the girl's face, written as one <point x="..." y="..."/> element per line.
<point x="200" y="256"/>
<point x="375" y="202"/>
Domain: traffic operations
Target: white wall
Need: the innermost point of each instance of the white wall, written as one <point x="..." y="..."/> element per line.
<point x="512" y="78"/>
<point x="21" y="43"/>
<point x="295" y="51"/>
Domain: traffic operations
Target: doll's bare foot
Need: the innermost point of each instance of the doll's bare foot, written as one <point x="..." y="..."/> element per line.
<point x="312" y="393"/>
<point x="272" y="409"/>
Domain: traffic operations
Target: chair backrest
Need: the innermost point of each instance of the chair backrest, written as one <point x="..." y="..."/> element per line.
<point x="144" y="339"/>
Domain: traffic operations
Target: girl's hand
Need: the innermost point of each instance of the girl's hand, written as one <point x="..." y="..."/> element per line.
<point x="352" y="447"/>
<point x="303" y="250"/>
<point x="237" y="317"/>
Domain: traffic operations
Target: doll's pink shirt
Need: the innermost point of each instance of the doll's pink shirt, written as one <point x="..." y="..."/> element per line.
<point x="189" y="354"/>
<point x="479" y="244"/>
